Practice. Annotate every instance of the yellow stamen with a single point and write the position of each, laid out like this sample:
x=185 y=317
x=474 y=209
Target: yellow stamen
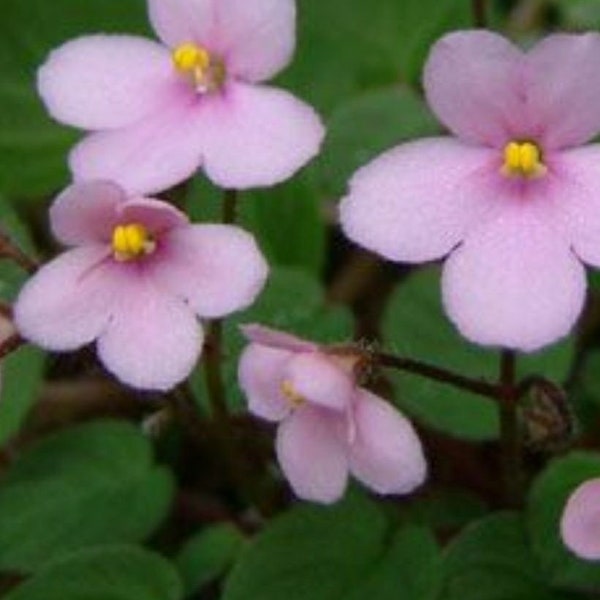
x=205 y=71
x=189 y=58
x=291 y=395
x=131 y=241
x=523 y=159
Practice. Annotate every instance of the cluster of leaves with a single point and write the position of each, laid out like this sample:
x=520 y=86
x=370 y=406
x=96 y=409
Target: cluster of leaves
x=87 y=512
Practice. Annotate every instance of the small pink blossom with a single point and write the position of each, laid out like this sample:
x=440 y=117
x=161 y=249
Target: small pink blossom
x=328 y=426
x=156 y=112
x=511 y=199
x=580 y=524
x=135 y=279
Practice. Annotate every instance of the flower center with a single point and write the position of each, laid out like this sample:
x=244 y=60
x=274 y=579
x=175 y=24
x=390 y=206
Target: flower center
x=523 y=159
x=293 y=398
x=132 y=241
x=197 y=65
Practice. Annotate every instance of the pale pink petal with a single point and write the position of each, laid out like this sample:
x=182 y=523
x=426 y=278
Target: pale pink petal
x=256 y=38
x=256 y=136
x=106 y=81
x=312 y=456
x=563 y=86
x=86 y=212
x=386 y=454
x=260 y=373
x=417 y=201
x=514 y=283
x=320 y=381
x=259 y=334
x=573 y=201
x=580 y=524
x=157 y=216
x=153 y=340
x=154 y=154
x=68 y=302
x=472 y=82
x=218 y=269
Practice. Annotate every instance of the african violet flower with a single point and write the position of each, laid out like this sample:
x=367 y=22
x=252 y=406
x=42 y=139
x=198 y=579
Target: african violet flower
x=511 y=198
x=328 y=426
x=580 y=525
x=159 y=111
x=135 y=278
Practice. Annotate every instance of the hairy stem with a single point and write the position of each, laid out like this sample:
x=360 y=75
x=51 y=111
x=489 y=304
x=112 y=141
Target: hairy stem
x=510 y=437
x=213 y=350
x=479 y=13
x=444 y=376
x=10 y=250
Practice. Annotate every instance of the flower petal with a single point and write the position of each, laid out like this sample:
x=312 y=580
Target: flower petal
x=472 y=82
x=312 y=456
x=416 y=202
x=317 y=379
x=573 y=200
x=86 y=212
x=68 y=302
x=152 y=155
x=153 y=340
x=260 y=373
x=218 y=269
x=258 y=136
x=255 y=37
x=514 y=283
x=563 y=86
x=580 y=524
x=106 y=81
x=156 y=215
x=386 y=454
x=259 y=334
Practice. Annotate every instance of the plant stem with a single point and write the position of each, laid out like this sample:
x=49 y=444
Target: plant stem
x=510 y=438
x=475 y=386
x=214 y=344
x=10 y=250
x=479 y=13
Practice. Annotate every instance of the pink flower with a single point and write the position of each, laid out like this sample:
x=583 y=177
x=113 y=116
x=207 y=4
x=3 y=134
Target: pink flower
x=135 y=278
x=511 y=199
x=580 y=525
x=159 y=111
x=328 y=425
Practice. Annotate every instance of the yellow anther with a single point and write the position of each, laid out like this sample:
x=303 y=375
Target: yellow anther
x=203 y=70
x=523 y=159
x=291 y=395
x=189 y=58
x=131 y=241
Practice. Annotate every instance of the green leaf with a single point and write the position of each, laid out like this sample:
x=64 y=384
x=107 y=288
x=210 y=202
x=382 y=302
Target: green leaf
x=344 y=48
x=92 y=484
x=208 y=555
x=286 y=220
x=579 y=14
x=32 y=146
x=292 y=301
x=342 y=552
x=104 y=573
x=416 y=326
x=547 y=499
x=22 y=378
x=355 y=132
x=491 y=560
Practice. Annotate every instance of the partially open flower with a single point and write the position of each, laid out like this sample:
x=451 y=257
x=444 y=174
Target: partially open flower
x=137 y=276
x=329 y=427
x=159 y=111
x=580 y=525
x=511 y=199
